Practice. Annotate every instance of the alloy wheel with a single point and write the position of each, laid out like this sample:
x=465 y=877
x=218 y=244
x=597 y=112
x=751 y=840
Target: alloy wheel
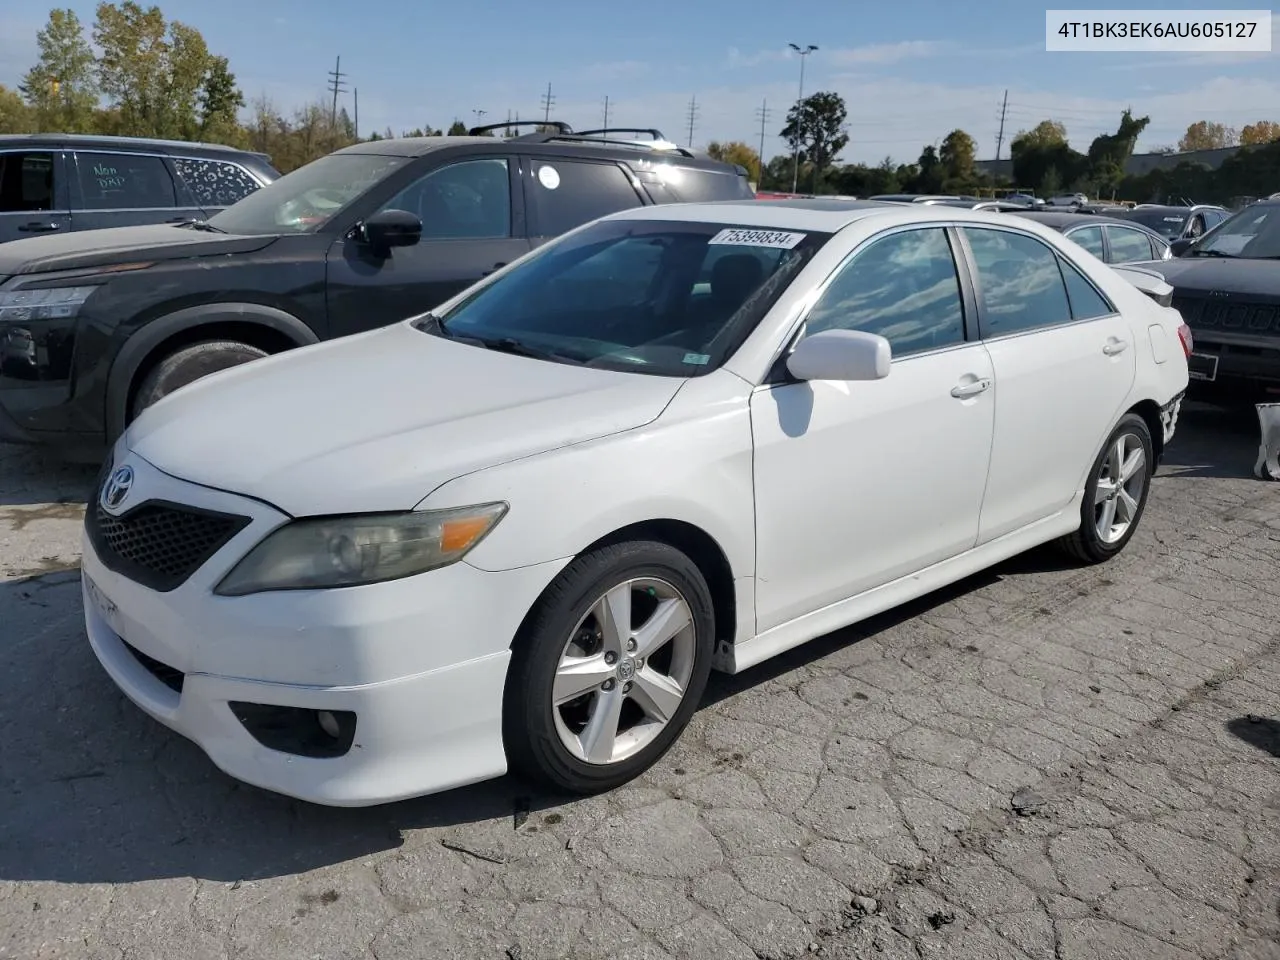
x=1121 y=482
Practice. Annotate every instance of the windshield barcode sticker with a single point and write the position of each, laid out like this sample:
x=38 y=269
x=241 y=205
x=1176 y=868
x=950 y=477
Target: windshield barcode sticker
x=778 y=239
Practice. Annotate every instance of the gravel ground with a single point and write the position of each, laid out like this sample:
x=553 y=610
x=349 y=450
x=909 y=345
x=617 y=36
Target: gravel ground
x=1042 y=762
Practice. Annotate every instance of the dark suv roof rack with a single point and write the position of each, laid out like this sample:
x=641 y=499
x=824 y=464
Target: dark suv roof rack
x=481 y=131
x=582 y=138
x=604 y=131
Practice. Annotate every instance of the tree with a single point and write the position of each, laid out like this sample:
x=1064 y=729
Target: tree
x=957 y=153
x=220 y=102
x=61 y=88
x=1045 y=134
x=929 y=177
x=1204 y=135
x=15 y=116
x=1042 y=149
x=1264 y=131
x=735 y=151
x=815 y=128
x=1051 y=182
x=1109 y=154
x=457 y=129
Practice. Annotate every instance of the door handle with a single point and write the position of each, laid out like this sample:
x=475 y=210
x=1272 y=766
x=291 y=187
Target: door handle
x=496 y=267
x=1114 y=346
x=37 y=227
x=964 y=391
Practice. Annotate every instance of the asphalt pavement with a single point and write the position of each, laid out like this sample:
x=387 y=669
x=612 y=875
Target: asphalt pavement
x=1041 y=762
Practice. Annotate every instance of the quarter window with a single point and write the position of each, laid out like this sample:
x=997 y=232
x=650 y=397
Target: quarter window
x=1086 y=302
x=1090 y=238
x=469 y=200
x=26 y=182
x=903 y=287
x=215 y=183
x=568 y=193
x=1128 y=246
x=1019 y=284
x=114 y=181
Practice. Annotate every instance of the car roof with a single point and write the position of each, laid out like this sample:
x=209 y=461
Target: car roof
x=110 y=143
x=1061 y=219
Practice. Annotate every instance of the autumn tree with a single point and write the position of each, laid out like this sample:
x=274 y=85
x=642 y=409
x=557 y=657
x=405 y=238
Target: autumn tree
x=816 y=130
x=1045 y=134
x=735 y=151
x=1204 y=135
x=61 y=88
x=1264 y=131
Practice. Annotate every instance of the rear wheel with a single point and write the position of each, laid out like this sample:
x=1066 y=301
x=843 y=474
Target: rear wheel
x=188 y=365
x=610 y=668
x=1116 y=494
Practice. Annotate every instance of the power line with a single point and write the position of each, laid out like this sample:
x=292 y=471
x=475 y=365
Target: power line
x=548 y=101
x=762 y=114
x=1004 y=107
x=337 y=85
x=693 y=116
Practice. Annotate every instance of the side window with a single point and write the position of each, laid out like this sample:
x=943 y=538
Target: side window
x=1086 y=302
x=699 y=186
x=468 y=200
x=1090 y=238
x=215 y=183
x=1159 y=249
x=1019 y=284
x=1197 y=226
x=568 y=193
x=903 y=287
x=26 y=182
x=115 y=181
x=1128 y=246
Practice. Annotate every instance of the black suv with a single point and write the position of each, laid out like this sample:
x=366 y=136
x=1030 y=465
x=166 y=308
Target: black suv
x=95 y=327
x=62 y=182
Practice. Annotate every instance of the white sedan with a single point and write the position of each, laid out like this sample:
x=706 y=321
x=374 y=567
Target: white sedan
x=519 y=531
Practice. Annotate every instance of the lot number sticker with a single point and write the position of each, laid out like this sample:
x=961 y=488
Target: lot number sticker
x=549 y=177
x=778 y=239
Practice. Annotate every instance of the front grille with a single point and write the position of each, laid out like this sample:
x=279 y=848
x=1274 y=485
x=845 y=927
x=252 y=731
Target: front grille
x=160 y=544
x=1230 y=314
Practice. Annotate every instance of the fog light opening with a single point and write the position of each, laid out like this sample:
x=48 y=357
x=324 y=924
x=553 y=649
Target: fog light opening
x=329 y=724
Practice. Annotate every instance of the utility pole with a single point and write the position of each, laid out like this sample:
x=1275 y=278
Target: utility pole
x=547 y=102
x=606 y=113
x=795 y=150
x=507 y=132
x=355 y=100
x=1000 y=136
x=762 y=113
x=693 y=116
x=336 y=85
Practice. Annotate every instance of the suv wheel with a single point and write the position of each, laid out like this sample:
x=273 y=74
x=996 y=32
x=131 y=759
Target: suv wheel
x=187 y=366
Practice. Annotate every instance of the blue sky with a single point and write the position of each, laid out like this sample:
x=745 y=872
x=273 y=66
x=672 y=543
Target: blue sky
x=910 y=70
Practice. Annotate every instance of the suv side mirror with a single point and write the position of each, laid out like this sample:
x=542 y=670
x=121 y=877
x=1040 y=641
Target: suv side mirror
x=841 y=355
x=391 y=228
x=1180 y=246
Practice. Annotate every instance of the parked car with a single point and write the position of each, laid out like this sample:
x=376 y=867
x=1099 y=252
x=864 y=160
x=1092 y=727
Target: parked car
x=521 y=529
x=1109 y=239
x=1178 y=223
x=59 y=183
x=366 y=236
x=1227 y=288
x=1068 y=200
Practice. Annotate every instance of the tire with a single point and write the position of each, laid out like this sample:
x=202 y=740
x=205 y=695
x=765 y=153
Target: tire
x=187 y=366
x=552 y=744
x=1088 y=544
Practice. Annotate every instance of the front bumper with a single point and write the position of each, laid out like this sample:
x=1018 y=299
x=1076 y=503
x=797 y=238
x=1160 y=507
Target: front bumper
x=420 y=662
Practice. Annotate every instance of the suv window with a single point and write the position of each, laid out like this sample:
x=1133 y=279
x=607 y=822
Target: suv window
x=1090 y=238
x=568 y=193
x=117 y=181
x=466 y=200
x=1019 y=284
x=215 y=183
x=1128 y=245
x=26 y=182
x=903 y=287
x=700 y=186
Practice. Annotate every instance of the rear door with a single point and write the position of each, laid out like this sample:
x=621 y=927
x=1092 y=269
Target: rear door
x=562 y=193
x=33 y=194
x=124 y=189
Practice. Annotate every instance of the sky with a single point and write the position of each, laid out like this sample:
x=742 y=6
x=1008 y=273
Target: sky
x=909 y=71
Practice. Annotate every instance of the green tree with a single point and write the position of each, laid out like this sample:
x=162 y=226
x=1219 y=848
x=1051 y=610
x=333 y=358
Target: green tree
x=735 y=151
x=457 y=129
x=61 y=88
x=1051 y=182
x=1205 y=135
x=1109 y=154
x=816 y=130
x=15 y=116
x=958 y=153
x=1044 y=135
x=931 y=172
x=220 y=102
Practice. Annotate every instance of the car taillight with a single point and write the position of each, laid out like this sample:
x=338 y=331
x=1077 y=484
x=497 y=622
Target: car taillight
x=1188 y=342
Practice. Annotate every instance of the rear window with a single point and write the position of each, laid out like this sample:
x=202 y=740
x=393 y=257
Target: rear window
x=657 y=297
x=1167 y=223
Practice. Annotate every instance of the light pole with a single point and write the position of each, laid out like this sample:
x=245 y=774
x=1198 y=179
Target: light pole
x=795 y=150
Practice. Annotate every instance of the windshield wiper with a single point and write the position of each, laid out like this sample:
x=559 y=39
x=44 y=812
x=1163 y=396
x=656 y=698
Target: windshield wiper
x=204 y=226
x=1214 y=253
x=519 y=348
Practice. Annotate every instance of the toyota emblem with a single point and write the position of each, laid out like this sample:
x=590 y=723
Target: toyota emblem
x=117 y=487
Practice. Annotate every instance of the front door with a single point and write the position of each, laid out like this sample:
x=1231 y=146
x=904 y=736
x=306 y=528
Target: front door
x=1064 y=364
x=33 y=194
x=125 y=190
x=469 y=230
x=858 y=484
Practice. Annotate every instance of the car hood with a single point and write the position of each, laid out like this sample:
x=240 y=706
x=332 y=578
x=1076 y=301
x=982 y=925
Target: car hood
x=1203 y=275
x=377 y=421
x=115 y=245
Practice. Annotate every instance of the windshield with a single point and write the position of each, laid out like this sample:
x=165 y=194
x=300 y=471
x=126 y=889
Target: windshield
x=665 y=298
x=305 y=200
x=1253 y=233
x=1167 y=223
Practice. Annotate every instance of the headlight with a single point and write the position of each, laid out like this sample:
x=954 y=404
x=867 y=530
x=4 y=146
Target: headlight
x=348 y=551
x=51 y=303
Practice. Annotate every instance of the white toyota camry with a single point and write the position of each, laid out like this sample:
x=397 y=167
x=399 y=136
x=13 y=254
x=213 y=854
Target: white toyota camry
x=521 y=530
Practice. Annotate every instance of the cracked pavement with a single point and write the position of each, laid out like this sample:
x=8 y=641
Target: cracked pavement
x=1041 y=762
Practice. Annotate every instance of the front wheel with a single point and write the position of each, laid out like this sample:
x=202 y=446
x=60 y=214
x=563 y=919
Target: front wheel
x=610 y=668
x=1116 y=494
x=188 y=365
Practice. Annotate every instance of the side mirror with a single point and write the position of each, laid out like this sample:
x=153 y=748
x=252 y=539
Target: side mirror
x=391 y=228
x=1180 y=246
x=841 y=355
